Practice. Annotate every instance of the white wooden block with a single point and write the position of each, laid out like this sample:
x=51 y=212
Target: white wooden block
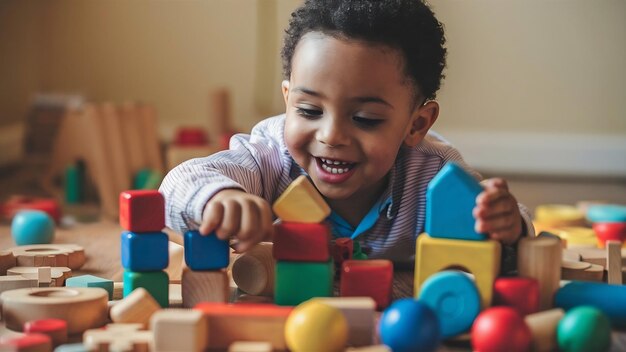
x=179 y=330
x=175 y=267
x=250 y=346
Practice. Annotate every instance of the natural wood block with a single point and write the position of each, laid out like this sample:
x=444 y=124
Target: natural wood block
x=540 y=258
x=543 y=329
x=7 y=260
x=204 y=286
x=614 y=262
x=13 y=282
x=253 y=271
x=119 y=338
x=359 y=313
x=581 y=271
x=137 y=307
x=53 y=255
x=375 y=348
x=301 y=202
x=229 y=323
x=176 y=262
x=250 y=346
x=57 y=275
x=301 y=242
x=480 y=258
x=179 y=330
x=118 y=290
x=142 y=211
x=367 y=278
x=26 y=343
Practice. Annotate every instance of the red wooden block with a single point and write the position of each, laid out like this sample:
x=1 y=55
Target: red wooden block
x=190 y=136
x=609 y=231
x=301 y=242
x=342 y=250
x=56 y=329
x=17 y=203
x=367 y=278
x=142 y=211
x=28 y=342
x=519 y=293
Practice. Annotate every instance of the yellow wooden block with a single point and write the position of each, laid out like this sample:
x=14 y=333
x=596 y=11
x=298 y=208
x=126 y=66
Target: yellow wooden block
x=301 y=202
x=558 y=215
x=480 y=258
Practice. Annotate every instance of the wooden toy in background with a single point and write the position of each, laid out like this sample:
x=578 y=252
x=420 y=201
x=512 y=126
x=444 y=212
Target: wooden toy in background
x=410 y=325
x=304 y=266
x=540 y=258
x=176 y=262
x=179 y=330
x=205 y=279
x=250 y=346
x=359 y=313
x=53 y=255
x=254 y=271
x=114 y=143
x=18 y=203
x=7 y=260
x=316 y=326
x=542 y=327
x=558 y=215
x=138 y=307
x=118 y=337
x=91 y=281
x=32 y=227
x=144 y=247
x=609 y=222
x=46 y=276
x=614 y=262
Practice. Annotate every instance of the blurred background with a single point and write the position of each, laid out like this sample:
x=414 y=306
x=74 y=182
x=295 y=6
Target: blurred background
x=535 y=89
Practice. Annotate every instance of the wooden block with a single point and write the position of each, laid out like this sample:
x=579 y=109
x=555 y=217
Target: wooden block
x=571 y=255
x=53 y=255
x=118 y=339
x=176 y=295
x=480 y=258
x=179 y=330
x=13 y=282
x=7 y=261
x=26 y=343
x=176 y=262
x=610 y=299
x=56 y=329
x=581 y=271
x=540 y=259
x=519 y=293
x=342 y=249
x=558 y=215
x=58 y=275
x=91 y=281
x=155 y=282
x=18 y=203
x=297 y=282
x=614 y=262
x=229 y=323
x=145 y=251
x=118 y=291
x=577 y=237
x=450 y=199
x=359 y=313
x=250 y=346
x=455 y=299
x=375 y=348
x=205 y=252
x=132 y=134
x=175 y=155
x=301 y=242
x=301 y=202
x=542 y=327
x=151 y=144
x=112 y=127
x=254 y=270
x=204 y=286
x=367 y=278
x=81 y=307
x=142 y=211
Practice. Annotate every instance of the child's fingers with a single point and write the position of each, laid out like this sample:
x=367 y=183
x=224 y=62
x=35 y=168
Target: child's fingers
x=211 y=217
x=495 y=183
x=231 y=220
x=250 y=221
x=495 y=224
x=499 y=207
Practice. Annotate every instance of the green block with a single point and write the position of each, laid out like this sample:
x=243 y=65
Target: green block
x=91 y=281
x=155 y=282
x=140 y=178
x=297 y=282
x=73 y=184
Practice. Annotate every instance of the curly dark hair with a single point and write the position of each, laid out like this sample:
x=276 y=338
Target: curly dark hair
x=406 y=25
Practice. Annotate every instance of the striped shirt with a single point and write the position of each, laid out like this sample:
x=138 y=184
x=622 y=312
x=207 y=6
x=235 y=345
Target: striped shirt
x=260 y=164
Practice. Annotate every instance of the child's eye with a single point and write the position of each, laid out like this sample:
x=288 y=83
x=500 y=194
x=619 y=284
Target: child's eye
x=308 y=113
x=366 y=122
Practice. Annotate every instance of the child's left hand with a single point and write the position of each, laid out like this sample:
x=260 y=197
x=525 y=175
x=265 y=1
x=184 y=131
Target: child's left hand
x=497 y=212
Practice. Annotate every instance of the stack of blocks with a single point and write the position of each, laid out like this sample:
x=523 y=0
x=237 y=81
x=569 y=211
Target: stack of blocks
x=205 y=279
x=144 y=245
x=304 y=267
x=450 y=241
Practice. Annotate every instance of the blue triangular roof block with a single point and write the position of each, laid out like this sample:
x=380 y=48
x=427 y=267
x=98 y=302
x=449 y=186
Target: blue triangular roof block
x=450 y=199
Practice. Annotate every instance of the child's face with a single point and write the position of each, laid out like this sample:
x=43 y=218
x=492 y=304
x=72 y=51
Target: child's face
x=349 y=108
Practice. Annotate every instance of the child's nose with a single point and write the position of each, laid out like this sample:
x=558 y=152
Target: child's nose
x=332 y=134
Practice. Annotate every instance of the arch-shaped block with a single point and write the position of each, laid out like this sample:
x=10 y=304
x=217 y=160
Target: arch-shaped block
x=481 y=258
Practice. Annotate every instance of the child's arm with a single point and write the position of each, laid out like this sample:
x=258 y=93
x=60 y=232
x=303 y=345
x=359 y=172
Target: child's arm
x=498 y=214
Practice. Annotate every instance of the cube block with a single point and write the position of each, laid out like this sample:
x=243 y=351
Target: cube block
x=302 y=242
x=301 y=202
x=155 y=282
x=146 y=251
x=142 y=211
x=204 y=286
x=297 y=282
x=205 y=252
x=367 y=278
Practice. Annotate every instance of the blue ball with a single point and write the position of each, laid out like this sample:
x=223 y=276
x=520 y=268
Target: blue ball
x=409 y=325
x=32 y=227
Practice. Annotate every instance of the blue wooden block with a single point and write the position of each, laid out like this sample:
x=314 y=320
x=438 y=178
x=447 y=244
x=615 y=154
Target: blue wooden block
x=454 y=298
x=607 y=213
x=610 y=299
x=155 y=282
x=146 y=251
x=205 y=252
x=450 y=199
x=91 y=281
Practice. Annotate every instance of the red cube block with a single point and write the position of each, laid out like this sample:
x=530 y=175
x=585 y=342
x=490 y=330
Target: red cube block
x=367 y=278
x=519 y=293
x=142 y=211
x=342 y=250
x=301 y=242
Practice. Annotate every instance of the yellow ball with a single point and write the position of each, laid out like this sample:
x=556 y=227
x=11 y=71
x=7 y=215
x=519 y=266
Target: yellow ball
x=315 y=326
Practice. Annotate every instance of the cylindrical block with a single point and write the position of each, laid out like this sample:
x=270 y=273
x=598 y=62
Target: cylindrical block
x=610 y=299
x=540 y=259
x=56 y=329
x=543 y=328
x=253 y=271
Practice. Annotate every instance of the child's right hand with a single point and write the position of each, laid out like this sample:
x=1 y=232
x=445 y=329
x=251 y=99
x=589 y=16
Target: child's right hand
x=235 y=213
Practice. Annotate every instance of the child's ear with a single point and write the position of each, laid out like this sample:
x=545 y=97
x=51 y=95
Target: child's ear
x=285 y=88
x=421 y=121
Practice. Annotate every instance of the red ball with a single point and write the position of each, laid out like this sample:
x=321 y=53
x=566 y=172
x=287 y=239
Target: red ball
x=500 y=329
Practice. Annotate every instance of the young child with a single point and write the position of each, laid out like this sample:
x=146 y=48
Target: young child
x=360 y=82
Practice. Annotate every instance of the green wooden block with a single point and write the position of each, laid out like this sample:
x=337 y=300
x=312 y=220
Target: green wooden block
x=140 y=178
x=73 y=184
x=297 y=282
x=91 y=281
x=155 y=282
